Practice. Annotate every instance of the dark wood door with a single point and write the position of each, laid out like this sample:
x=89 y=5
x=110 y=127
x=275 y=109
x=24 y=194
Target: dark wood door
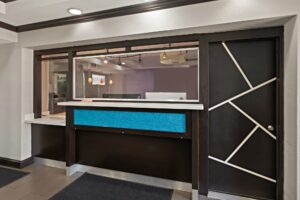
x=243 y=117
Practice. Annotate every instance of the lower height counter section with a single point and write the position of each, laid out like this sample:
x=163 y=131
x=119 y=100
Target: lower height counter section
x=48 y=141
x=146 y=142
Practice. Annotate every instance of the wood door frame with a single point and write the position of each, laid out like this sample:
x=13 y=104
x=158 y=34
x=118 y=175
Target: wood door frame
x=278 y=35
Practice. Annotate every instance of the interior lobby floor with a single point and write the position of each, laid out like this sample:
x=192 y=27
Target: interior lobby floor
x=43 y=182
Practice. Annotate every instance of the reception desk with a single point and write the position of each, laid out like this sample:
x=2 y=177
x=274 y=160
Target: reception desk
x=151 y=139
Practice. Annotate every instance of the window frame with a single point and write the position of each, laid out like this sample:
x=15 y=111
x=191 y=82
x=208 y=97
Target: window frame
x=137 y=100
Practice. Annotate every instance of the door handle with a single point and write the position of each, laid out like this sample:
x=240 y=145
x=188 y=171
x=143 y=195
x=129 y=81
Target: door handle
x=271 y=128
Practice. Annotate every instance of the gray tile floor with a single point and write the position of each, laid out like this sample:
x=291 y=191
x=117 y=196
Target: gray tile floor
x=43 y=182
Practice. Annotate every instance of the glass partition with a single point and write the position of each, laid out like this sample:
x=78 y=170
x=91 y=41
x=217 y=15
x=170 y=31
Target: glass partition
x=165 y=75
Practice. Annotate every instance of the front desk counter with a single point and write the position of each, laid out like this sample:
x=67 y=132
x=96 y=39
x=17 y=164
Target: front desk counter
x=152 y=139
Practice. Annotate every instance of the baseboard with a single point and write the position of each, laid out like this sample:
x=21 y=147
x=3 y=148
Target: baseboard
x=16 y=163
x=224 y=196
x=136 y=178
x=50 y=163
x=131 y=177
x=26 y=162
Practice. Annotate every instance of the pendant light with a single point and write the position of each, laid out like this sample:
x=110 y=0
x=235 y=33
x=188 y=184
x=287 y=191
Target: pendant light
x=105 y=60
x=90 y=78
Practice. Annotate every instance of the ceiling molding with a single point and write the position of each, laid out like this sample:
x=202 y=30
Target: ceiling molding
x=8 y=26
x=7 y=1
x=116 y=12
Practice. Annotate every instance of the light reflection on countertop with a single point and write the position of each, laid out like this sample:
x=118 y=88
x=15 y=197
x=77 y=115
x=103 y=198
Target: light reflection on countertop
x=172 y=106
x=47 y=121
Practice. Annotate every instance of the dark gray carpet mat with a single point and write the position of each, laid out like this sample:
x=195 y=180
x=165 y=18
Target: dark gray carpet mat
x=8 y=176
x=92 y=187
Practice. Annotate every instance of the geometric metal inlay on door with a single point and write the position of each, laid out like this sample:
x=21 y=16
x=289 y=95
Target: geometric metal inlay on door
x=247 y=144
x=221 y=134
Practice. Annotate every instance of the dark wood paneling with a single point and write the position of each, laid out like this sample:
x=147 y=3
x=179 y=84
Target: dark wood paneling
x=260 y=148
x=49 y=142
x=186 y=136
x=224 y=77
x=71 y=55
x=280 y=115
x=142 y=152
x=273 y=32
x=26 y=162
x=121 y=44
x=195 y=150
x=71 y=139
x=266 y=38
x=252 y=56
x=37 y=86
x=226 y=179
x=116 y=12
x=158 y=157
x=263 y=100
x=203 y=117
x=228 y=128
x=217 y=37
x=211 y=37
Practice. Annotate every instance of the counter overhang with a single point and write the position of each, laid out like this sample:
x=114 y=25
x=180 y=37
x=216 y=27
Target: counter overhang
x=172 y=106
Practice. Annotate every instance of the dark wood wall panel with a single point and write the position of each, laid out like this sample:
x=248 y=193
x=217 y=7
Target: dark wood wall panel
x=158 y=157
x=49 y=142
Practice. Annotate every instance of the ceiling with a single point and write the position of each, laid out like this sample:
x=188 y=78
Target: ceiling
x=22 y=12
x=137 y=62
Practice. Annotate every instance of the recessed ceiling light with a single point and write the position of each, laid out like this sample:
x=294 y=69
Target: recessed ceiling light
x=74 y=11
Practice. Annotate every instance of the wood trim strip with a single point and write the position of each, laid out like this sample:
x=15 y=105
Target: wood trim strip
x=70 y=139
x=203 y=118
x=37 y=86
x=280 y=115
x=8 y=26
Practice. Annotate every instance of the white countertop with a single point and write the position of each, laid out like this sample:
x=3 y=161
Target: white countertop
x=173 y=106
x=47 y=121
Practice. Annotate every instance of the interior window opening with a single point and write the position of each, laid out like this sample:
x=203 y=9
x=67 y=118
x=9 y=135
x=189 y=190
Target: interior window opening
x=54 y=87
x=164 y=75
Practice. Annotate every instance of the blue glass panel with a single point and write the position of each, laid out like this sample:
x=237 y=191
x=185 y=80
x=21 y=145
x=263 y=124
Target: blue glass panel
x=151 y=121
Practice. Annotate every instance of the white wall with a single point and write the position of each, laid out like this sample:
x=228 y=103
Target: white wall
x=7 y=36
x=26 y=102
x=214 y=16
x=199 y=15
x=2 y=8
x=290 y=112
x=10 y=101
